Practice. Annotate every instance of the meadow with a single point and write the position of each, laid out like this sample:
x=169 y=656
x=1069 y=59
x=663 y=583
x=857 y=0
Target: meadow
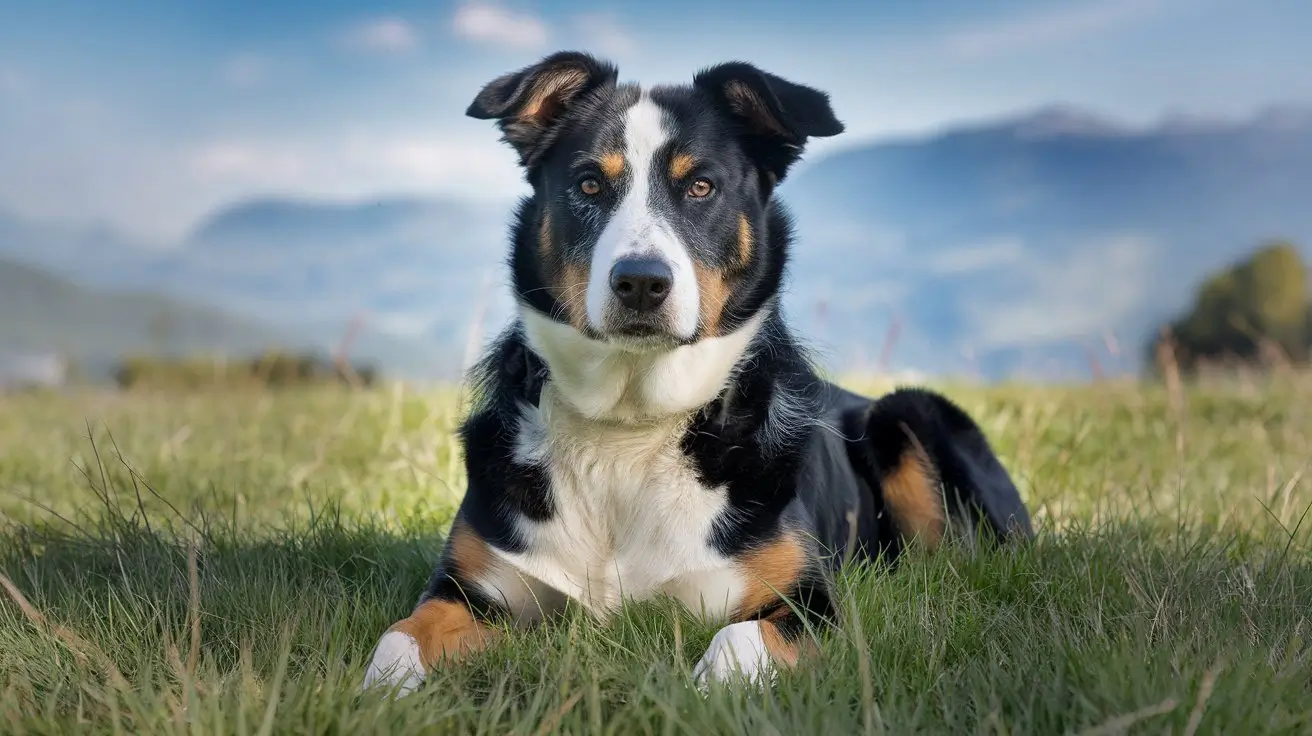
x=224 y=563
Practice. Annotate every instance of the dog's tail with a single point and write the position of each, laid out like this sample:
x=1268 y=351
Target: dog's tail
x=933 y=469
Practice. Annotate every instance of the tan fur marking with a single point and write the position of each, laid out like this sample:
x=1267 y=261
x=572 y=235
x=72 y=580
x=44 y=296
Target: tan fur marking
x=568 y=283
x=912 y=494
x=444 y=630
x=680 y=165
x=744 y=240
x=469 y=554
x=747 y=103
x=771 y=572
x=550 y=93
x=713 y=285
x=544 y=236
x=612 y=165
x=782 y=651
x=571 y=291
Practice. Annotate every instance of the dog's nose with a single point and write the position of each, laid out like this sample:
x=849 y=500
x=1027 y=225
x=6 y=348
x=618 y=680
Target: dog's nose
x=641 y=284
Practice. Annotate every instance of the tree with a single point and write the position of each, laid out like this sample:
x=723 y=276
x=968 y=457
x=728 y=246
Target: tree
x=1246 y=310
x=1273 y=294
x=1215 y=324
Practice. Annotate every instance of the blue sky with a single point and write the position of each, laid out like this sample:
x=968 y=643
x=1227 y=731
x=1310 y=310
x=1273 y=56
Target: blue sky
x=148 y=115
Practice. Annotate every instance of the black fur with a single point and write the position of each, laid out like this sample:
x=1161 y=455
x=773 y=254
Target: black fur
x=774 y=129
x=733 y=441
x=501 y=489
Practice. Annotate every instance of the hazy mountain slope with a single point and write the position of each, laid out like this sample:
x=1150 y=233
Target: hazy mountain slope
x=264 y=302
x=1024 y=239
x=43 y=312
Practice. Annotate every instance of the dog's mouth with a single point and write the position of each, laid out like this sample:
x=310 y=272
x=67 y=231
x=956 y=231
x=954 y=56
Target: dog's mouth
x=641 y=333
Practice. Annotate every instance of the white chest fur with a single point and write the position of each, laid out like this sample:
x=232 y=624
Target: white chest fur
x=631 y=519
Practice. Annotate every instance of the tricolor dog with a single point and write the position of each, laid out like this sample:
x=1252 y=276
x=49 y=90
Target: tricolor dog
x=649 y=425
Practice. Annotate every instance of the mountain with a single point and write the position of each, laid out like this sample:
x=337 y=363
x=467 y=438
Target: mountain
x=44 y=313
x=413 y=267
x=1003 y=246
x=1029 y=240
x=272 y=280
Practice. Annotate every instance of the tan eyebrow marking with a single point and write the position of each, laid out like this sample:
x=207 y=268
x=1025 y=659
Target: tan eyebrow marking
x=680 y=165
x=612 y=165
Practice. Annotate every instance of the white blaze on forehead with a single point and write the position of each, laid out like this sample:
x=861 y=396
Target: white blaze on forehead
x=635 y=229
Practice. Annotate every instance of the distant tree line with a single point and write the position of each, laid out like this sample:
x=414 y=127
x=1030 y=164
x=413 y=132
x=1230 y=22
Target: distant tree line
x=270 y=369
x=1253 y=314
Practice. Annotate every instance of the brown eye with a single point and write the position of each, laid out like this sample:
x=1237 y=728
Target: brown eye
x=590 y=186
x=700 y=188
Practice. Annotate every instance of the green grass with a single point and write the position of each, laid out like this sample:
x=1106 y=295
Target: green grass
x=1170 y=589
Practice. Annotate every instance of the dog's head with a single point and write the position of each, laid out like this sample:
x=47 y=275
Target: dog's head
x=647 y=228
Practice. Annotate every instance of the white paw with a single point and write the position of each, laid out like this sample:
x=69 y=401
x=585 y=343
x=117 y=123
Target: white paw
x=738 y=650
x=396 y=662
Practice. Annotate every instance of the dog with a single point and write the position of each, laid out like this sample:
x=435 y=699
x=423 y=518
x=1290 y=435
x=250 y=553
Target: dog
x=648 y=425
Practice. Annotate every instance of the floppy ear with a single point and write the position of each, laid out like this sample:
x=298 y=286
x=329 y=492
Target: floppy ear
x=528 y=103
x=775 y=116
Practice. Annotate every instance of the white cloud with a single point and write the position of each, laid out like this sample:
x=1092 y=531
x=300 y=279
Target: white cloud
x=1048 y=27
x=603 y=33
x=386 y=35
x=493 y=24
x=360 y=165
x=236 y=160
x=1101 y=283
x=979 y=257
x=245 y=71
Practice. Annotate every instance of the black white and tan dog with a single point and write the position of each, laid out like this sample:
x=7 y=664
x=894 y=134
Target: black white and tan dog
x=648 y=425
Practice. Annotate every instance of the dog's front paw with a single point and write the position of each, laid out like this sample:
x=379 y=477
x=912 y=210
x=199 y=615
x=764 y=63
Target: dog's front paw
x=396 y=663
x=736 y=651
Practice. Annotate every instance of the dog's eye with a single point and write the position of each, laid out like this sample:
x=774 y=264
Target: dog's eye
x=590 y=186
x=700 y=188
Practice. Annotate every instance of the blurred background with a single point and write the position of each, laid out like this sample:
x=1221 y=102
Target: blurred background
x=1027 y=189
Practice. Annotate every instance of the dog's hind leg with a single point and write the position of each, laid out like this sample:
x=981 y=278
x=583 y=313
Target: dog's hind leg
x=933 y=465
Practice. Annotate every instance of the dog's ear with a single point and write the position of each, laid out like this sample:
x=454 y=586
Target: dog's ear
x=775 y=117
x=528 y=103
